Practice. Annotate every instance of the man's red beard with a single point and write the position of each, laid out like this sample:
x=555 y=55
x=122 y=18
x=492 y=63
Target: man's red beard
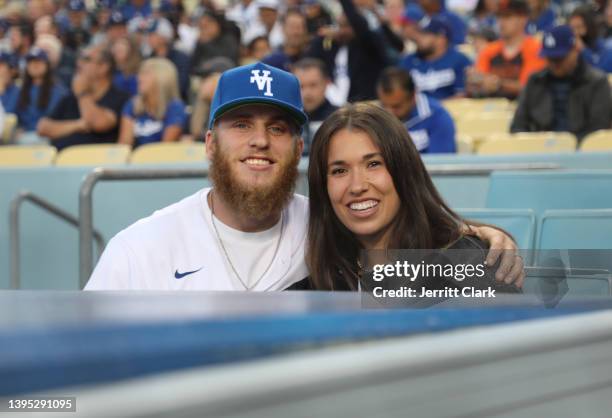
x=255 y=202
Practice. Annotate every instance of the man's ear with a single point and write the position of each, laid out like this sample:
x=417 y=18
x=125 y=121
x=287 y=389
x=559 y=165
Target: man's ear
x=300 y=145
x=211 y=143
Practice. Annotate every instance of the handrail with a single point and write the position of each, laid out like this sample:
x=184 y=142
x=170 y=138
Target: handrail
x=482 y=169
x=15 y=206
x=86 y=202
x=88 y=184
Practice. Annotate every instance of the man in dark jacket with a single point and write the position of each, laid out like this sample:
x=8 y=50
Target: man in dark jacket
x=568 y=96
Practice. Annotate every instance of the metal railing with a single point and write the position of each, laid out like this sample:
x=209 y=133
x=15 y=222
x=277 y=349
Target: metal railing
x=86 y=203
x=86 y=261
x=15 y=256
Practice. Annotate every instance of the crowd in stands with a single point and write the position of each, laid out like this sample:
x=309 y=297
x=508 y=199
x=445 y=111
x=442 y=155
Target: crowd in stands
x=142 y=71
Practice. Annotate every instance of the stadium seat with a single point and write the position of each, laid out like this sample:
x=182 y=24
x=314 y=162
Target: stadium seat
x=481 y=125
x=543 y=190
x=525 y=143
x=468 y=50
x=10 y=123
x=597 y=141
x=459 y=108
x=576 y=229
x=520 y=223
x=174 y=152
x=26 y=155
x=580 y=239
x=95 y=154
x=465 y=144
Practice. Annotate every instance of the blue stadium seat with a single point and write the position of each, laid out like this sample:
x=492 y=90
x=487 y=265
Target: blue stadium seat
x=543 y=190
x=579 y=239
x=520 y=223
x=576 y=229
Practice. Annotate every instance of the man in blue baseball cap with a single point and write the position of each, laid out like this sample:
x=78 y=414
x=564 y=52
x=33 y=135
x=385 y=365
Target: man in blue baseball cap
x=247 y=232
x=568 y=95
x=437 y=68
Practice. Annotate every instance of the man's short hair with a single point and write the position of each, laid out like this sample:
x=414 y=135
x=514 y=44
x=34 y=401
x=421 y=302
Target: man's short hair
x=310 y=63
x=393 y=78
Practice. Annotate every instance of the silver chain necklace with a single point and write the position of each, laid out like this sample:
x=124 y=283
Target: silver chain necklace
x=227 y=257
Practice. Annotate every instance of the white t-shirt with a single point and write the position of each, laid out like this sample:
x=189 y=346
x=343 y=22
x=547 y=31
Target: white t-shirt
x=177 y=248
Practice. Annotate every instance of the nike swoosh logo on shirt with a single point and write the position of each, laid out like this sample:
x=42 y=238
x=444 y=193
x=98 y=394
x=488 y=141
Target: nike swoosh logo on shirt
x=178 y=275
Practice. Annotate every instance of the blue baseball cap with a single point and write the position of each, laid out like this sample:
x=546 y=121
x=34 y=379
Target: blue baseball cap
x=8 y=58
x=413 y=13
x=76 y=5
x=436 y=25
x=116 y=19
x=36 y=53
x=558 y=42
x=258 y=83
x=106 y=4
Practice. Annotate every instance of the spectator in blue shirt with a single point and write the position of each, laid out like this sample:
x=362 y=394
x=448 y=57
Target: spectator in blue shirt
x=39 y=92
x=455 y=22
x=583 y=22
x=127 y=60
x=430 y=126
x=9 y=92
x=156 y=113
x=136 y=8
x=541 y=17
x=160 y=39
x=437 y=68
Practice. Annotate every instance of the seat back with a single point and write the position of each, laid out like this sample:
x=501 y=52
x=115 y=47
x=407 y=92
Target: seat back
x=543 y=190
x=26 y=155
x=93 y=154
x=520 y=223
x=528 y=143
x=597 y=141
x=169 y=152
x=8 y=130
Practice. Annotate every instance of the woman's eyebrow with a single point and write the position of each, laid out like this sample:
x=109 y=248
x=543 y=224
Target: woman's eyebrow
x=371 y=155
x=365 y=157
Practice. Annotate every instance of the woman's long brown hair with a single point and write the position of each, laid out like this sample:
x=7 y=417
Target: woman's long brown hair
x=424 y=221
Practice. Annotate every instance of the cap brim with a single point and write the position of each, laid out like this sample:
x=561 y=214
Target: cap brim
x=296 y=114
x=554 y=53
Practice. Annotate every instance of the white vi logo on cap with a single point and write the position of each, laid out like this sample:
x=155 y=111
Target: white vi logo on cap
x=549 y=41
x=263 y=81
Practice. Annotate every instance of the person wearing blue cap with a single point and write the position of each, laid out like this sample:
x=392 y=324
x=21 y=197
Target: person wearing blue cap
x=160 y=38
x=136 y=8
x=247 y=232
x=78 y=30
x=568 y=95
x=458 y=28
x=437 y=67
x=39 y=92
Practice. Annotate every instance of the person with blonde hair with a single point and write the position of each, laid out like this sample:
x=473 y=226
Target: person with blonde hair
x=156 y=113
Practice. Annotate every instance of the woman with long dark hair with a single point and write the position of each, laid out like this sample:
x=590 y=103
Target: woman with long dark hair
x=39 y=92
x=369 y=190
